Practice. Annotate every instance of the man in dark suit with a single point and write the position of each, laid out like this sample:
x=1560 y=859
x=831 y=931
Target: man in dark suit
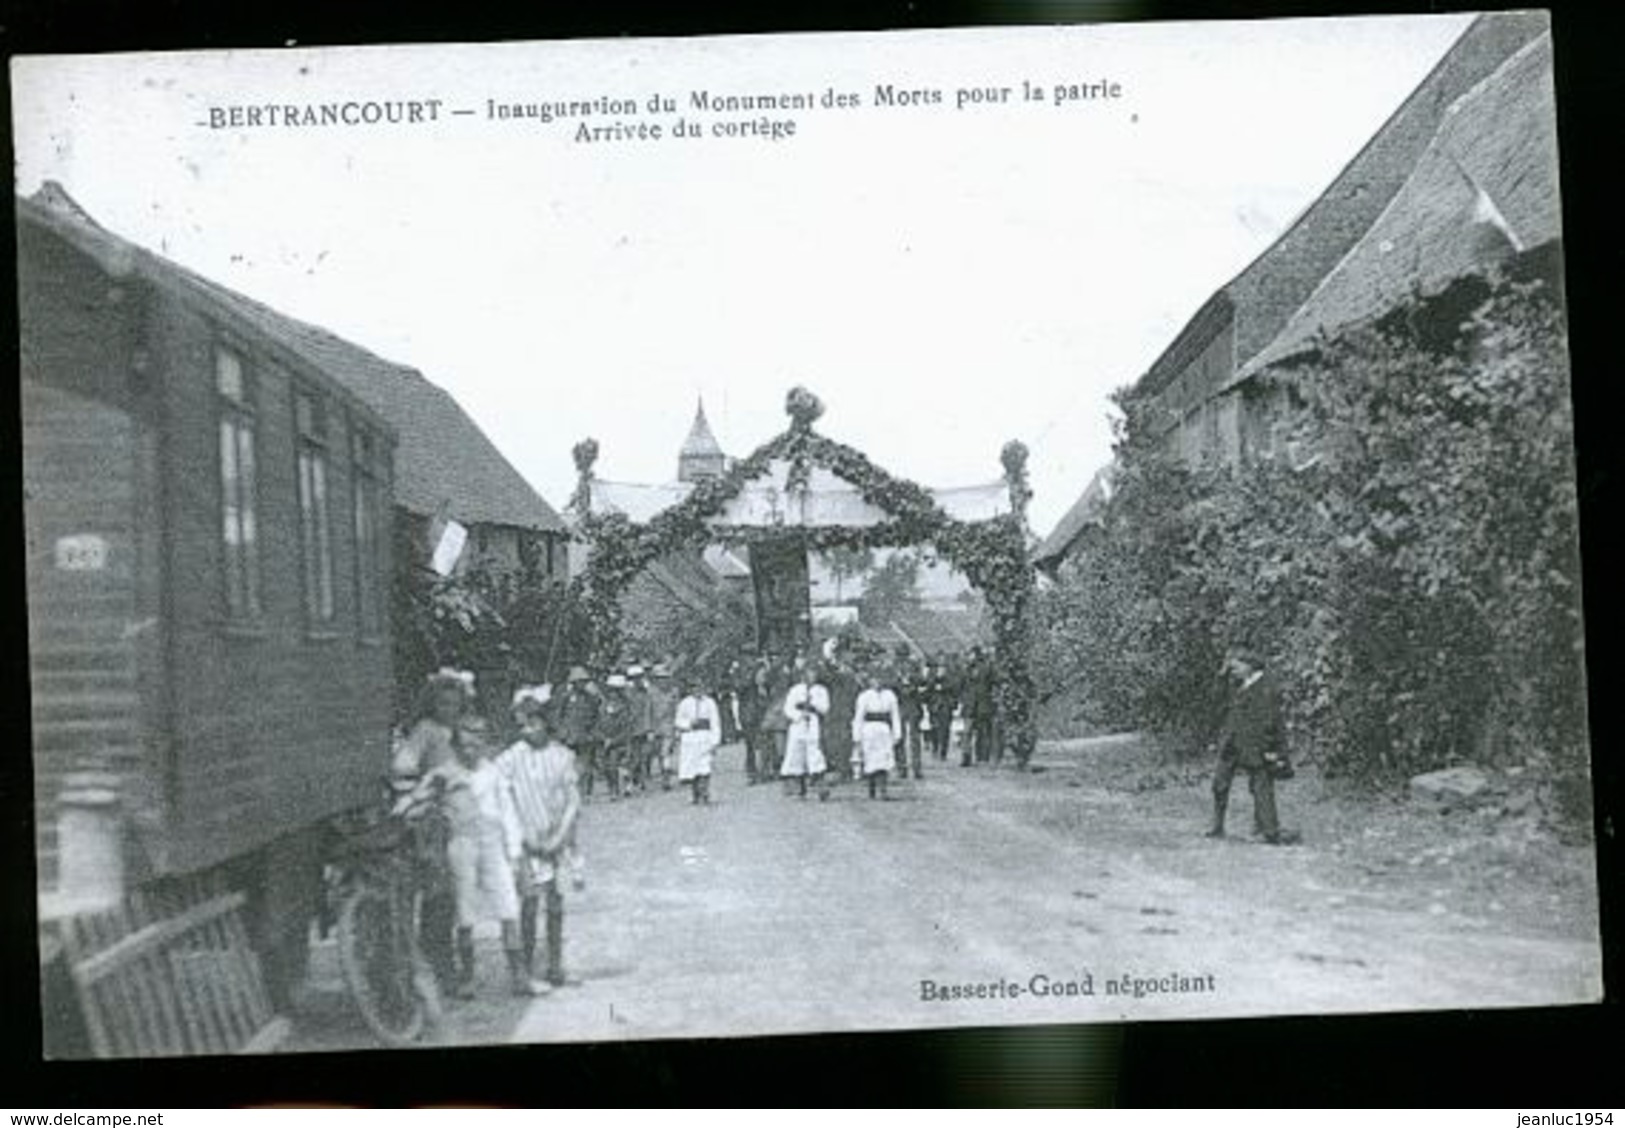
x=907 y=682
x=940 y=700
x=979 y=707
x=1253 y=740
x=579 y=710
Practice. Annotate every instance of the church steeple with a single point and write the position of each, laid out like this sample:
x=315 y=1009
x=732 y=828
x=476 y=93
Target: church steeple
x=701 y=456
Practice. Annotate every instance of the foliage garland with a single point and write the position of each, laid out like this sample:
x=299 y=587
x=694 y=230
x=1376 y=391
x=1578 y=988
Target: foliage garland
x=992 y=554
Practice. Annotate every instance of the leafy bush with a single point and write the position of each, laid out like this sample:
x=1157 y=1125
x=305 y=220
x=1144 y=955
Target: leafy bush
x=1415 y=579
x=508 y=629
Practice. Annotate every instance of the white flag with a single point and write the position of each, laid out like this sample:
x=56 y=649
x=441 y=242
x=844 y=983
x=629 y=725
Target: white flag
x=448 y=548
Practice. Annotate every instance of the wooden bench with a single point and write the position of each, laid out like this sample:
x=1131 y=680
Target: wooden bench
x=185 y=981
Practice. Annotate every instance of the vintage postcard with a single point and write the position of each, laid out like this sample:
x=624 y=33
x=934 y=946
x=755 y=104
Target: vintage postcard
x=582 y=541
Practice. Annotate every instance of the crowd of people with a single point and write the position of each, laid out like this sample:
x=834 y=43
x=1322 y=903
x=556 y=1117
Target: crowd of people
x=509 y=818
x=511 y=805
x=510 y=794
x=786 y=710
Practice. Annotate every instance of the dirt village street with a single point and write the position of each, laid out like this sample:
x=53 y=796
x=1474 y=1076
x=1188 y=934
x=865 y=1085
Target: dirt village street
x=764 y=913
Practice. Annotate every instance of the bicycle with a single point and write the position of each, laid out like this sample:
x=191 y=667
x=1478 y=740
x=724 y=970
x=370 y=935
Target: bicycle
x=384 y=866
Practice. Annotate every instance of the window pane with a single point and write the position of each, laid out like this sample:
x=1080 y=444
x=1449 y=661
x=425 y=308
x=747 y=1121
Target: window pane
x=228 y=375
x=231 y=517
x=363 y=550
x=376 y=577
x=324 y=547
x=228 y=463
x=315 y=534
x=247 y=493
x=307 y=533
x=359 y=496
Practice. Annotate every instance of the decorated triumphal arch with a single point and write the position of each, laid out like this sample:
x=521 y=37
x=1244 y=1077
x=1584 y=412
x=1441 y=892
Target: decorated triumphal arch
x=806 y=492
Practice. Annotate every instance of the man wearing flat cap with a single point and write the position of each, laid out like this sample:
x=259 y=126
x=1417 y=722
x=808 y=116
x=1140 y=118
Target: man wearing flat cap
x=1253 y=740
x=578 y=718
x=616 y=731
x=640 y=705
x=663 y=698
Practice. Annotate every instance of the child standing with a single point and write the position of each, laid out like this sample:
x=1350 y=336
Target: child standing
x=476 y=851
x=542 y=795
x=432 y=743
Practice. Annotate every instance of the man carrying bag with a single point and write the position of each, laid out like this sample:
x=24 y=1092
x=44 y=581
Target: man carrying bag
x=1253 y=740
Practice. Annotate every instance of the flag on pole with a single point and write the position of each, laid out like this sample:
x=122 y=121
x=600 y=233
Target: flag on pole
x=446 y=540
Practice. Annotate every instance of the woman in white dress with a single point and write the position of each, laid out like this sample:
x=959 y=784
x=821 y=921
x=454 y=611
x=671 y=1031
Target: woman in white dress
x=699 y=731
x=877 y=726
x=805 y=707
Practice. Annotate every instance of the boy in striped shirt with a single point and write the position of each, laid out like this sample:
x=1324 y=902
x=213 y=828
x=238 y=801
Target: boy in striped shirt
x=543 y=798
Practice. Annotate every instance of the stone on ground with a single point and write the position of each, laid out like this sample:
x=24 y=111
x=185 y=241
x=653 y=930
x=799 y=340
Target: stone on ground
x=1450 y=787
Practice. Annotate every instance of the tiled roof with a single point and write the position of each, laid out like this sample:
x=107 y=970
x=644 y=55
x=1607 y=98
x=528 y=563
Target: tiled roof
x=1485 y=188
x=930 y=630
x=441 y=455
x=682 y=579
x=1086 y=511
x=1276 y=284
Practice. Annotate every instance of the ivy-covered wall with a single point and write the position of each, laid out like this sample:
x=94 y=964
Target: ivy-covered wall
x=1412 y=570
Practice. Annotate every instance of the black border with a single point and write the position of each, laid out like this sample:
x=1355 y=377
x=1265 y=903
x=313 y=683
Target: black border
x=1532 y=1059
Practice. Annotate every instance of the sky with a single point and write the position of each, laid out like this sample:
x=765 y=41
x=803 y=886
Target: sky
x=944 y=277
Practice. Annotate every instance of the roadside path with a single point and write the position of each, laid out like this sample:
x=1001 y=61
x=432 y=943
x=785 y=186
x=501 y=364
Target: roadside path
x=764 y=913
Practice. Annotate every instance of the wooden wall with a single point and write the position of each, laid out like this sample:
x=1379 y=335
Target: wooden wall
x=279 y=721
x=86 y=459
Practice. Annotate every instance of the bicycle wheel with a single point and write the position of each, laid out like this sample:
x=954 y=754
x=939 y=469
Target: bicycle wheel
x=379 y=975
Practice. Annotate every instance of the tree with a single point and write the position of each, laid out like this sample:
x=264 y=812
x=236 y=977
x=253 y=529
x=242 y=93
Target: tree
x=704 y=639
x=1415 y=582
x=506 y=628
x=847 y=563
x=893 y=586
